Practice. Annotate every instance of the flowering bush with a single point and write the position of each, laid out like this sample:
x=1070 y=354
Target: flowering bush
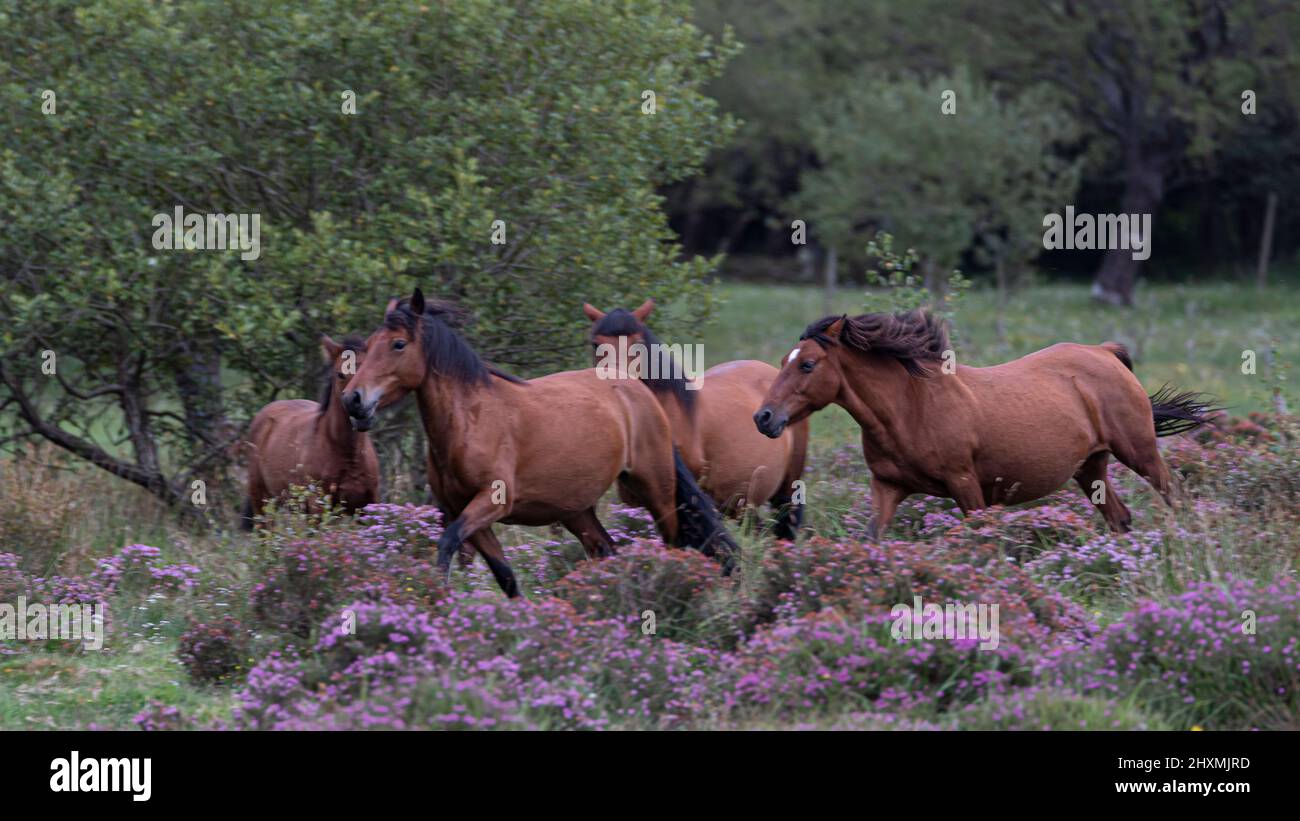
x=828 y=661
x=800 y=579
x=214 y=652
x=672 y=584
x=1219 y=655
x=485 y=663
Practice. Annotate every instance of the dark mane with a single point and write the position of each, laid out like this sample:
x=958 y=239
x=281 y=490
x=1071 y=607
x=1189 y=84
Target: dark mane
x=351 y=342
x=445 y=351
x=911 y=337
x=620 y=322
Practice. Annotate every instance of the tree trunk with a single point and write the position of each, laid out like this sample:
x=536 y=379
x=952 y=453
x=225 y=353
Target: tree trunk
x=198 y=381
x=1144 y=188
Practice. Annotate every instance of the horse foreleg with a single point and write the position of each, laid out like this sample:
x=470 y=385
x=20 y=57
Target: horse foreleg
x=489 y=506
x=591 y=533
x=885 y=498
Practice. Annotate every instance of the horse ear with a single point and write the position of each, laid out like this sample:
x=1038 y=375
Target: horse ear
x=834 y=329
x=392 y=306
x=329 y=348
x=644 y=311
x=417 y=302
x=593 y=313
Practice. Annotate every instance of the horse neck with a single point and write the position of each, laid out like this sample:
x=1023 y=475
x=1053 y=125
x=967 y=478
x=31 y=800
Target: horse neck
x=441 y=403
x=877 y=394
x=335 y=429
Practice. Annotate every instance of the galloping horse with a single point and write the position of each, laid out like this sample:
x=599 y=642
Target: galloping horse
x=297 y=442
x=1008 y=433
x=501 y=449
x=710 y=419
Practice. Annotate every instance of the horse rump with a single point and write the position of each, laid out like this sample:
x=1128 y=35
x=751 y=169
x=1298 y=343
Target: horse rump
x=1174 y=411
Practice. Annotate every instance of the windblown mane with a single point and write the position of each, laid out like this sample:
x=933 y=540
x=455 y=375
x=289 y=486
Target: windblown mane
x=911 y=337
x=351 y=342
x=445 y=352
x=620 y=322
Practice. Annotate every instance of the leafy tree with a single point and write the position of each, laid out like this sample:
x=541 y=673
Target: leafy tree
x=466 y=113
x=1157 y=83
x=942 y=164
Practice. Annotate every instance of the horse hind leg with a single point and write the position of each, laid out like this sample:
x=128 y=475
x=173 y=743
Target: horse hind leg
x=1143 y=458
x=591 y=533
x=1091 y=477
x=489 y=547
x=648 y=489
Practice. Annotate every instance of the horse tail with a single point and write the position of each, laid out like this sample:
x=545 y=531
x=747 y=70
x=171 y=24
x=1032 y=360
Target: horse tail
x=699 y=523
x=1179 y=412
x=246 y=515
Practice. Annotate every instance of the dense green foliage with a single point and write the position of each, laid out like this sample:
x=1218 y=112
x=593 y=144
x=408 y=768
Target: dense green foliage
x=842 y=98
x=466 y=113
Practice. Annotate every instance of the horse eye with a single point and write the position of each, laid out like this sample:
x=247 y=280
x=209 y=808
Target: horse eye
x=399 y=344
x=807 y=365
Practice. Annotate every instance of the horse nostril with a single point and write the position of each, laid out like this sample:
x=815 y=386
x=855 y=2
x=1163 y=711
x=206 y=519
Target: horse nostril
x=763 y=416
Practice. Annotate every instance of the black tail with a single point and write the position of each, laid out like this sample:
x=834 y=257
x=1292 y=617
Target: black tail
x=246 y=516
x=699 y=524
x=1180 y=412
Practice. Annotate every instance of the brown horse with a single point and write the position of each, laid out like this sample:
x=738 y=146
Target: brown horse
x=734 y=464
x=300 y=442
x=998 y=435
x=501 y=449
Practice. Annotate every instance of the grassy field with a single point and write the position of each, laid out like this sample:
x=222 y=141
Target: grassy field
x=790 y=619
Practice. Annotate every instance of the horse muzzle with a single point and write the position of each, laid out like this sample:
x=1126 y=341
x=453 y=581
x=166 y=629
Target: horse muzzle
x=360 y=412
x=771 y=423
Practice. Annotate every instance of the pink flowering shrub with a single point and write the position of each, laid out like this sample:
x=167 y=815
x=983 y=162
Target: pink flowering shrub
x=804 y=578
x=485 y=663
x=674 y=585
x=830 y=661
x=1219 y=655
x=216 y=652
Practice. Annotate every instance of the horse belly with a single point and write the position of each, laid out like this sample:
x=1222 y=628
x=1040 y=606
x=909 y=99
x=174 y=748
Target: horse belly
x=1029 y=473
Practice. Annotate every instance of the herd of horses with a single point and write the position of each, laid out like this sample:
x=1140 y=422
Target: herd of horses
x=691 y=451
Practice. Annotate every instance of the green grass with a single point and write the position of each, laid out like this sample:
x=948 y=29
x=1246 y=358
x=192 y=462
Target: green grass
x=58 y=690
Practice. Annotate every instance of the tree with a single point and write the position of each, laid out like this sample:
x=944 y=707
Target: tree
x=942 y=164
x=1156 y=82
x=381 y=144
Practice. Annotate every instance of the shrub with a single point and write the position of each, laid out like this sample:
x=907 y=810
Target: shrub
x=215 y=653
x=1190 y=658
x=672 y=584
